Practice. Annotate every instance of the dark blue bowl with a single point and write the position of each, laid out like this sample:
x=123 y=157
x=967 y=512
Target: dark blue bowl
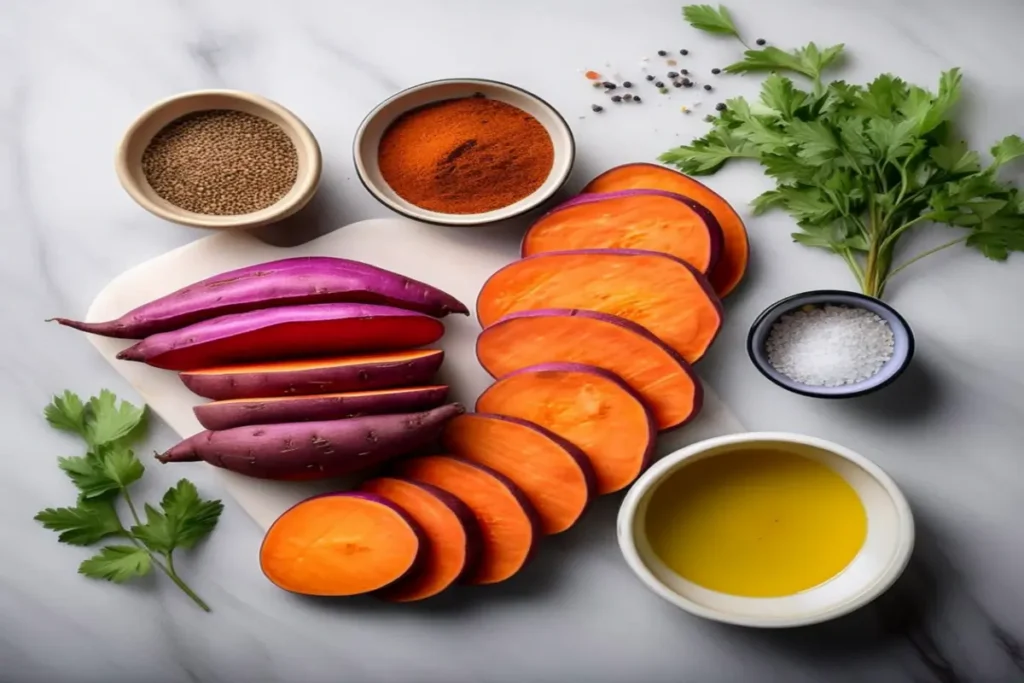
x=903 y=342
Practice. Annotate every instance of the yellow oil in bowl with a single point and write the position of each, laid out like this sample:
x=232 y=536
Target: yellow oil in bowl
x=756 y=523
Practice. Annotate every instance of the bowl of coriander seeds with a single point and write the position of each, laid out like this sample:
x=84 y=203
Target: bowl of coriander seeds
x=219 y=159
x=831 y=344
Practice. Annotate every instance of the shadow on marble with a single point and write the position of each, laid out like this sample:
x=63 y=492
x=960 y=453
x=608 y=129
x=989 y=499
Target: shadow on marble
x=322 y=215
x=913 y=397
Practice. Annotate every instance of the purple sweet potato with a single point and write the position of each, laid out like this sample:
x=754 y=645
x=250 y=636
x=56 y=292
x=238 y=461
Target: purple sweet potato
x=631 y=219
x=288 y=282
x=286 y=332
x=342 y=544
x=318 y=376
x=298 y=451
x=241 y=412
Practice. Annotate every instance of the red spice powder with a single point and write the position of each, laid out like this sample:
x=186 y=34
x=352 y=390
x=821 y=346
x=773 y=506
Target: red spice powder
x=467 y=155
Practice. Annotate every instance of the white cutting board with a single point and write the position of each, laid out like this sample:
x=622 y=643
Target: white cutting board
x=457 y=260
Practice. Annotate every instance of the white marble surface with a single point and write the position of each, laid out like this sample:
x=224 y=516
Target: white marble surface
x=74 y=75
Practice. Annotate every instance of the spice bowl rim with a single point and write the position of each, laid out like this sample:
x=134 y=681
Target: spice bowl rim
x=773 y=312
x=309 y=159
x=825 y=602
x=469 y=220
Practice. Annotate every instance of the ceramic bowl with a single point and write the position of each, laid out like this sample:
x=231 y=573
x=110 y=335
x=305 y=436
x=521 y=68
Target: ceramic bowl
x=367 y=140
x=903 y=342
x=880 y=561
x=129 y=157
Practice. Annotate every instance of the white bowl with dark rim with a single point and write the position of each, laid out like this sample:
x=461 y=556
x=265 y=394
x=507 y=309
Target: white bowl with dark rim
x=882 y=558
x=371 y=130
x=902 y=353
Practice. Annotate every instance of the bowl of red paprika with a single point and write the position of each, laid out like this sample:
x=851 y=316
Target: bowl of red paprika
x=463 y=152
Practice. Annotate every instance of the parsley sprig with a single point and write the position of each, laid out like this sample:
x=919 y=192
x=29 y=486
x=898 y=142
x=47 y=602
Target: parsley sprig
x=102 y=476
x=858 y=166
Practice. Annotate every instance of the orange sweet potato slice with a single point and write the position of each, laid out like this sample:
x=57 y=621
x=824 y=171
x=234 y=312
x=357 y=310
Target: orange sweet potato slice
x=664 y=295
x=736 y=250
x=664 y=380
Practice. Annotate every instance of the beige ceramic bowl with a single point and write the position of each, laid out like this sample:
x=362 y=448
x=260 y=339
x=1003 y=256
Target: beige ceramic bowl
x=154 y=119
x=880 y=561
x=367 y=140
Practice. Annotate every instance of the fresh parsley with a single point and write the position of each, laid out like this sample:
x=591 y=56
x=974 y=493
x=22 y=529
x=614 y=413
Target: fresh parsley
x=858 y=166
x=102 y=477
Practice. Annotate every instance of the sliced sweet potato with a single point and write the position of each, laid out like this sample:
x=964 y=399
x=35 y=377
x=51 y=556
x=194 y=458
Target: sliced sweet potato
x=591 y=408
x=240 y=412
x=656 y=372
x=736 y=250
x=508 y=522
x=555 y=475
x=284 y=333
x=664 y=295
x=341 y=544
x=631 y=219
x=319 y=376
x=452 y=534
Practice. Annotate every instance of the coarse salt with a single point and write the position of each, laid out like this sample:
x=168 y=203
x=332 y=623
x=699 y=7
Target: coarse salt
x=829 y=346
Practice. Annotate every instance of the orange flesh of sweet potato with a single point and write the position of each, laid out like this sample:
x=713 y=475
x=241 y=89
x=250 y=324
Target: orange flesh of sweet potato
x=508 y=522
x=660 y=376
x=661 y=293
x=736 y=250
x=340 y=544
x=654 y=221
x=555 y=476
x=588 y=407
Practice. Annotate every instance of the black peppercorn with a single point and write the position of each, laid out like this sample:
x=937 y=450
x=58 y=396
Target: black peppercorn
x=716 y=71
x=687 y=83
x=677 y=84
x=684 y=52
x=659 y=84
x=626 y=97
x=637 y=99
x=609 y=85
x=662 y=53
x=627 y=84
x=616 y=98
x=761 y=41
x=672 y=74
x=597 y=107
x=720 y=106
x=650 y=77
x=685 y=72
x=707 y=87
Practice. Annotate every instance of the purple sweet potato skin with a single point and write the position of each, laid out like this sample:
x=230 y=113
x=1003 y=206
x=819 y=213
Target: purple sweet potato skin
x=322 y=380
x=288 y=282
x=238 y=325
x=219 y=416
x=714 y=229
x=301 y=451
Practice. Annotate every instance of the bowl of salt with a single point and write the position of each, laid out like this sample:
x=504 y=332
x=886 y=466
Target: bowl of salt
x=830 y=344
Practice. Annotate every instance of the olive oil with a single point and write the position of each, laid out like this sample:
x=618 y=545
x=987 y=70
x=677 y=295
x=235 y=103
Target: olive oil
x=756 y=523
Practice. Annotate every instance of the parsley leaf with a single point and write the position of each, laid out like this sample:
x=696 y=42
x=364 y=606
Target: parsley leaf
x=67 y=413
x=809 y=60
x=706 y=18
x=117 y=563
x=1008 y=149
x=86 y=473
x=86 y=523
x=108 y=421
x=183 y=520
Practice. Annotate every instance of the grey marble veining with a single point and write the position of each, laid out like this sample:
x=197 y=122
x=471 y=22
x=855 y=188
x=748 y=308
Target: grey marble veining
x=75 y=74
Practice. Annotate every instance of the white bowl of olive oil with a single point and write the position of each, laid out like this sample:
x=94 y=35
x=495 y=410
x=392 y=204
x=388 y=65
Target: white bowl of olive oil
x=766 y=529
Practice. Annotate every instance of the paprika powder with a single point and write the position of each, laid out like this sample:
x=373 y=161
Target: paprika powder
x=467 y=155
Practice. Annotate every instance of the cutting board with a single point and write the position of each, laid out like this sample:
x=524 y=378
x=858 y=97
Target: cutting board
x=455 y=260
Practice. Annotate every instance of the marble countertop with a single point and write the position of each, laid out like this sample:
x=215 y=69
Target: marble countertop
x=950 y=432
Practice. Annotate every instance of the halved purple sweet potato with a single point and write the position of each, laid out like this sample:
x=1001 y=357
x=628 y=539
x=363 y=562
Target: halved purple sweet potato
x=301 y=451
x=240 y=412
x=317 y=376
x=453 y=536
x=665 y=381
x=555 y=475
x=509 y=524
x=631 y=219
x=342 y=544
x=286 y=332
x=663 y=294
x=288 y=282
x=732 y=265
x=593 y=409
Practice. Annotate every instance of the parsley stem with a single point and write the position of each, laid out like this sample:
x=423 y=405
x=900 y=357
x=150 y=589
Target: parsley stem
x=173 y=576
x=920 y=256
x=894 y=235
x=131 y=506
x=851 y=261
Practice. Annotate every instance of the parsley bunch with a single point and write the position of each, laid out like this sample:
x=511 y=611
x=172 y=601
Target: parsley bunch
x=102 y=476
x=857 y=166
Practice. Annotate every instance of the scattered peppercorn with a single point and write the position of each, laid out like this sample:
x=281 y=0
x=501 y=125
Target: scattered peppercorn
x=684 y=52
x=650 y=77
x=662 y=53
x=663 y=91
x=637 y=99
x=761 y=41
x=659 y=84
x=685 y=72
x=687 y=83
x=677 y=84
x=720 y=106
x=597 y=85
x=616 y=98
x=716 y=71
x=597 y=107
x=221 y=163
x=627 y=84
x=628 y=97
x=672 y=74
x=708 y=87
x=609 y=85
